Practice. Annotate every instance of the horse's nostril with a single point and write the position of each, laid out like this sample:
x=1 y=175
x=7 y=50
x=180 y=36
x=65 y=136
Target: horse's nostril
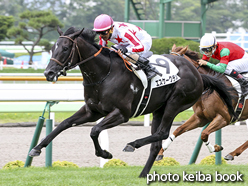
x=49 y=73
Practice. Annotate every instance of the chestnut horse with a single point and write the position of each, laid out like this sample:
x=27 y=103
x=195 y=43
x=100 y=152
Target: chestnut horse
x=113 y=92
x=207 y=109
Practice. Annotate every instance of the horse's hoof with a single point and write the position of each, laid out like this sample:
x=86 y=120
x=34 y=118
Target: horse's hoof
x=107 y=155
x=218 y=148
x=104 y=154
x=159 y=157
x=229 y=157
x=129 y=148
x=34 y=153
x=142 y=176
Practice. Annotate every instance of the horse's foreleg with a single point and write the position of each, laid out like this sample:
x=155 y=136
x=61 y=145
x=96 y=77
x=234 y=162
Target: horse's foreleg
x=80 y=117
x=111 y=120
x=237 y=151
x=153 y=154
x=162 y=131
x=217 y=123
x=193 y=122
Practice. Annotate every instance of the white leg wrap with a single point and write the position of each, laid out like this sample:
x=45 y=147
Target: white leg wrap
x=168 y=141
x=209 y=146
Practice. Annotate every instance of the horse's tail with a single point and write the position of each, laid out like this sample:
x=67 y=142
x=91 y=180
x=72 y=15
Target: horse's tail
x=215 y=83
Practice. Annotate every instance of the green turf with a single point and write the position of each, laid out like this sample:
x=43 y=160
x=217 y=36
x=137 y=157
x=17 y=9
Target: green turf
x=118 y=176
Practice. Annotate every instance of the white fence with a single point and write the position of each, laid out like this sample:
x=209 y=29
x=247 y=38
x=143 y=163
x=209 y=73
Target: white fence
x=240 y=39
x=10 y=46
x=34 y=66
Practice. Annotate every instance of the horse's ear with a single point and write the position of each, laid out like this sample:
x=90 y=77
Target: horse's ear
x=59 y=31
x=173 y=47
x=183 y=51
x=76 y=34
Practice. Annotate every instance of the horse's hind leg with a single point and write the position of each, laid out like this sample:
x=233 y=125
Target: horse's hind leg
x=161 y=133
x=80 y=117
x=193 y=122
x=157 y=117
x=237 y=151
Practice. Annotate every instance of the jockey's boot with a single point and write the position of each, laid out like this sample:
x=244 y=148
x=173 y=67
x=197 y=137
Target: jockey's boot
x=242 y=81
x=148 y=68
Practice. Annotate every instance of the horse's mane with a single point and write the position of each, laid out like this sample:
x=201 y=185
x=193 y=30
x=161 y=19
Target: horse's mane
x=89 y=36
x=192 y=55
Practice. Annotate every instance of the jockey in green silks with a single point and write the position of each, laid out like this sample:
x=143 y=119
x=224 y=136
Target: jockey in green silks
x=233 y=59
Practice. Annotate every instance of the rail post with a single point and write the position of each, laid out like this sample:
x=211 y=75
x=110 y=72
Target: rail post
x=218 y=142
x=36 y=137
x=49 y=128
x=197 y=148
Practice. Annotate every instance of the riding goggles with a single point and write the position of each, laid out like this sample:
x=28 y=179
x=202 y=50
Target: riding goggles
x=206 y=50
x=103 y=32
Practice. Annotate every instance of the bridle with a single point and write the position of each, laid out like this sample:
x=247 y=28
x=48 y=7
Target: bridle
x=175 y=53
x=68 y=63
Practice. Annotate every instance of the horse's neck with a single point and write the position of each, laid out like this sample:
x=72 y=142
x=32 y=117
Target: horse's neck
x=95 y=69
x=207 y=70
x=201 y=69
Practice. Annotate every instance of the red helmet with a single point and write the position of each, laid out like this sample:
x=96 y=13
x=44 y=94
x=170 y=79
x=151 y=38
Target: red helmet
x=103 y=22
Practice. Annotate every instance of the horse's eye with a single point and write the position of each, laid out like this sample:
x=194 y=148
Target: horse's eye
x=65 y=48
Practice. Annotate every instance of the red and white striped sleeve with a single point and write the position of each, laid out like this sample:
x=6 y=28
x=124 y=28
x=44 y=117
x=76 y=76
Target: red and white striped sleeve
x=135 y=43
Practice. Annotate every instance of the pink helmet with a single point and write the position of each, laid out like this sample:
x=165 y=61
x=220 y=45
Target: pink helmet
x=103 y=22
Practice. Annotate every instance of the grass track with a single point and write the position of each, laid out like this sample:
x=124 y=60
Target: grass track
x=122 y=176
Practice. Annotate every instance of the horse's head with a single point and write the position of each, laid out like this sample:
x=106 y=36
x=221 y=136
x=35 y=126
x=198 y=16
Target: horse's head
x=64 y=54
x=191 y=56
x=179 y=51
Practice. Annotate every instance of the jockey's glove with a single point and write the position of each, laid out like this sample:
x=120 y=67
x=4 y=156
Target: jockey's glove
x=123 y=49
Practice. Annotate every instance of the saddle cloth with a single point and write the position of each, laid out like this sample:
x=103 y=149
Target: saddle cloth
x=169 y=75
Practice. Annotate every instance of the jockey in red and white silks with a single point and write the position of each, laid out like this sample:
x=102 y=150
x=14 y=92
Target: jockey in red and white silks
x=133 y=37
x=127 y=38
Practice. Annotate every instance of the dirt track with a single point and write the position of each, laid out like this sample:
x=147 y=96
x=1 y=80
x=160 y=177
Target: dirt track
x=75 y=145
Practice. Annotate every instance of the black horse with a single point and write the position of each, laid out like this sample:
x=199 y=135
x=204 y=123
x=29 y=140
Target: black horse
x=113 y=92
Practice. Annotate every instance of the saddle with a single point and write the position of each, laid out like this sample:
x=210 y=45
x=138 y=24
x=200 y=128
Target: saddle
x=169 y=76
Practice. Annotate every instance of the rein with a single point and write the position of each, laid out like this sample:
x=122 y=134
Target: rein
x=100 y=82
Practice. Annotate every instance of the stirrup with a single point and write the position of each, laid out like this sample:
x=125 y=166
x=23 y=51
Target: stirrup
x=149 y=73
x=150 y=77
x=144 y=61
